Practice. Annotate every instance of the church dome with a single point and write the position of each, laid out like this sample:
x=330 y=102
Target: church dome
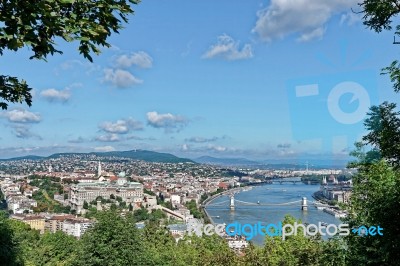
x=122 y=175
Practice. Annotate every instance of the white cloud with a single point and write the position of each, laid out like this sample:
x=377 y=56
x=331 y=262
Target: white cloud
x=76 y=66
x=185 y=147
x=316 y=34
x=307 y=18
x=22 y=116
x=227 y=48
x=120 y=78
x=121 y=126
x=104 y=148
x=23 y=132
x=201 y=139
x=140 y=59
x=167 y=121
x=77 y=140
x=53 y=95
x=139 y=138
x=350 y=18
x=216 y=148
x=108 y=138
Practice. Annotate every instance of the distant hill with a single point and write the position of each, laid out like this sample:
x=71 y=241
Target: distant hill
x=225 y=161
x=143 y=155
x=28 y=157
x=271 y=164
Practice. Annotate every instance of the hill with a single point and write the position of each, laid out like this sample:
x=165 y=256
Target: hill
x=143 y=155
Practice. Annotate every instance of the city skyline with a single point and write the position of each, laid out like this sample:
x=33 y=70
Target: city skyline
x=215 y=83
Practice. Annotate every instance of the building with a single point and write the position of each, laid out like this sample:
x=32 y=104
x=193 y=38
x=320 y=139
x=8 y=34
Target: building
x=340 y=194
x=76 y=226
x=130 y=192
x=175 y=199
x=34 y=221
x=56 y=222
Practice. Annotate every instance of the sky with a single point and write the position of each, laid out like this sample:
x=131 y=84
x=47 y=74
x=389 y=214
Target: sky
x=263 y=80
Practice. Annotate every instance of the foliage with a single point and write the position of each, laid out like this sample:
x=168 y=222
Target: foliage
x=192 y=206
x=46 y=204
x=148 y=192
x=379 y=15
x=383 y=125
x=38 y=24
x=54 y=249
x=296 y=250
x=375 y=201
x=113 y=240
x=9 y=247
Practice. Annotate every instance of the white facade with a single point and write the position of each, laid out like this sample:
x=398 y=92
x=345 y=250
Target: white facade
x=76 y=227
x=81 y=192
x=175 y=199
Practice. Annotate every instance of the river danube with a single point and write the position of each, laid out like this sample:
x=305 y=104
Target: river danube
x=270 y=194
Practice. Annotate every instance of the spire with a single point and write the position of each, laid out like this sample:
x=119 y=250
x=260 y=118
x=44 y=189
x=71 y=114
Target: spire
x=99 y=170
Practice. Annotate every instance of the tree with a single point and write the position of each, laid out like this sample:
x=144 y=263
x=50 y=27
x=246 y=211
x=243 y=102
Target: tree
x=383 y=125
x=9 y=247
x=378 y=15
x=60 y=246
x=376 y=199
x=38 y=24
x=113 y=240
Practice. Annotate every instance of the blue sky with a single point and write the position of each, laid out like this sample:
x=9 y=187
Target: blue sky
x=257 y=79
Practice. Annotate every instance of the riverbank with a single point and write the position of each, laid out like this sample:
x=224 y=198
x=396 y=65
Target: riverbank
x=213 y=197
x=334 y=210
x=274 y=194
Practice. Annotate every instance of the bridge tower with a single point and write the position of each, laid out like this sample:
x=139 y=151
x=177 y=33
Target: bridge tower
x=232 y=205
x=304 y=206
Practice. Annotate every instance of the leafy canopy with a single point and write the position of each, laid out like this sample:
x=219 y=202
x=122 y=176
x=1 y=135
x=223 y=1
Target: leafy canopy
x=39 y=24
x=378 y=15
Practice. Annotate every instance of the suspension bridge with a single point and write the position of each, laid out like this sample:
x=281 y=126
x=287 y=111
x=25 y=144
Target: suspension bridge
x=232 y=202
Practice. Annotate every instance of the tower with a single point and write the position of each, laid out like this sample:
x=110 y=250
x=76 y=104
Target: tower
x=232 y=205
x=335 y=181
x=304 y=206
x=99 y=170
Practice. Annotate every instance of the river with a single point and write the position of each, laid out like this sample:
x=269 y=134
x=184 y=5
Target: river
x=272 y=193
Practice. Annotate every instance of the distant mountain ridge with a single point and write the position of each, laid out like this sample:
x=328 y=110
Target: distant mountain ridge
x=143 y=155
x=225 y=161
x=271 y=164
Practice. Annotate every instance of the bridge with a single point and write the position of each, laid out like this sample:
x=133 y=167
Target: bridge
x=292 y=181
x=272 y=181
x=232 y=202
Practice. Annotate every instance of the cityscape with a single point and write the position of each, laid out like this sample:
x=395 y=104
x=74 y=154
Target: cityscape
x=86 y=183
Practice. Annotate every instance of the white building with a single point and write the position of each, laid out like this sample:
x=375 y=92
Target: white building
x=130 y=192
x=76 y=227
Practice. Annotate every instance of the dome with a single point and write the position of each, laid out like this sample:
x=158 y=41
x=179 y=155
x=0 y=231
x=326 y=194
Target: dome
x=121 y=175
